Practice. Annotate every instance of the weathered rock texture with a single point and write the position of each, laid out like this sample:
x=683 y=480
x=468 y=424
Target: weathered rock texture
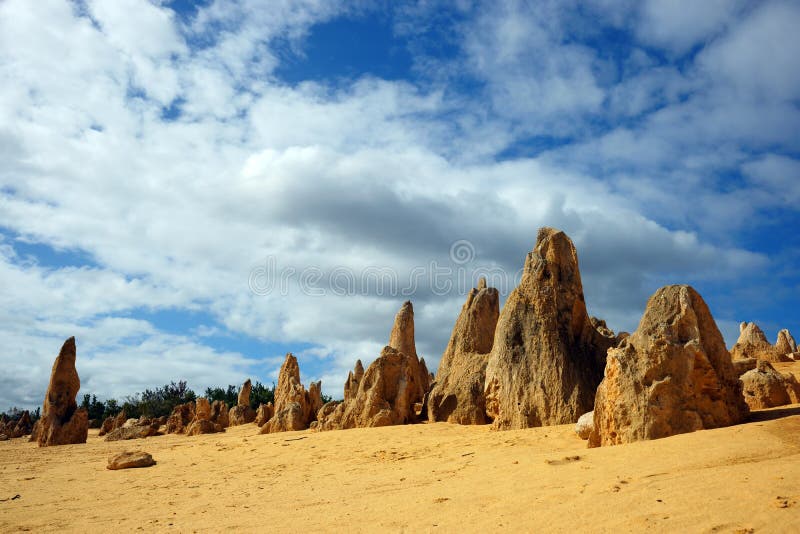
x=295 y=408
x=764 y=387
x=752 y=343
x=219 y=413
x=137 y=429
x=130 y=459
x=457 y=393
x=62 y=422
x=786 y=344
x=547 y=359
x=112 y=423
x=242 y=413
x=388 y=391
x=585 y=425
x=202 y=423
x=264 y=413
x=180 y=418
x=672 y=375
x=17 y=428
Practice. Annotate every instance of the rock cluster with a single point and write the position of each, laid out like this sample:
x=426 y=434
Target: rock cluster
x=264 y=413
x=387 y=392
x=202 y=422
x=672 y=375
x=764 y=387
x=752 y=343
x=219 y=413
x=62 y=422
x=456 y=395
x=112 y=423
x=242 y=413
x=180 y=418
x=16 y=428
x=547 y=359
x=295 y=408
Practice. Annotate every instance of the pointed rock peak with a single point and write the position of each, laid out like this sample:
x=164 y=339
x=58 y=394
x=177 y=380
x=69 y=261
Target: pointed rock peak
x=752 y=343
x=786 y=343
x=482 y=283
x=742 y=326
x=402 y=336
x=244 y=394
x=751 y=333
x=358 y=371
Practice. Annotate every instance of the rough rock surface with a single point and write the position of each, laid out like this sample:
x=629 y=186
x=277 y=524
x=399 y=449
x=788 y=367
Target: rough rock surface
x=242 y=413
x=353 y=380
x=138 y=430
x=672 y=375
x=62 y=422
x=752 y=343
x=389 y=389
x=742 y=366
x=130 y=459
x=764 y=387
x=22 y=426
x=585 y=425
x=547 y=359
x=786 y=344
x=113 y=423
x=202 y=423
x=219 y=413
x=180 y=418
x=295 y=408
x=264 y=413
x=456 y=395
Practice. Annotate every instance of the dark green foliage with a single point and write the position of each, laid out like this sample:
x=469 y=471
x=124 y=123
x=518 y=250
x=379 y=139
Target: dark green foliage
x=161 y=401
x=261 y=394
x=14 y=413
x=326 y=398
x=95 y=408
x=229 y=395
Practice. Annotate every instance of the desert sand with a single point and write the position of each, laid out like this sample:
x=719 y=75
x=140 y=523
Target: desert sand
x=426 y=477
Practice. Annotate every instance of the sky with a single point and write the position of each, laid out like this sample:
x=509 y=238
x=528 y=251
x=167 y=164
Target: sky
x=193 y=189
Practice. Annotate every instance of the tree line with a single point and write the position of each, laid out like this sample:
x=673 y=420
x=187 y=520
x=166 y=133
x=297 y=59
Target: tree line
x=159 y=401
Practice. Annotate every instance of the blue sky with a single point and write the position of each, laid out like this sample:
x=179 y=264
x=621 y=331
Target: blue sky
x=157 y=157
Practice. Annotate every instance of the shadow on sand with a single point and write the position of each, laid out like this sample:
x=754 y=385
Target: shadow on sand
x=771 y=414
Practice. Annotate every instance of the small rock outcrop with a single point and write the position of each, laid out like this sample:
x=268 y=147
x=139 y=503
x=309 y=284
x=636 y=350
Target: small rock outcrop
x=752 y=343
x=672 y=375
x=547 y=359
x=242 y=413
x=388 y=391
x=16 y=428
x=112 y=423
x=785 y=345
x=456 y=395
x=295 y=408
x=180 y=418
x=62 y=422
x=202 y=423
x=129 y=460
x=134 y=429
x=585 y=425
x=264 y=413
x=764 y=387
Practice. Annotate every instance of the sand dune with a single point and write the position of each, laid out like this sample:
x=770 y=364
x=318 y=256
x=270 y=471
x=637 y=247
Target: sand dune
x=432 y=477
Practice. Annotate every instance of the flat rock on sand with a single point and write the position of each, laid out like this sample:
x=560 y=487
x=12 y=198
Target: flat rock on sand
x=130 y=459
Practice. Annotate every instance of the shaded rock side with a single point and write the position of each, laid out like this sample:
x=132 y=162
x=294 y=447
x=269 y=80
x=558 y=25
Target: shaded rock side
x=457 y=394
x=547 y=359
x=202 y=423
x=295 y=408
x=765 y=387
x=112 y=423
x=219 y=413
x=180 y=418
x=353 y=380
x=62 y=422
x=672 y=375
x=264 y=413
x=752 y=343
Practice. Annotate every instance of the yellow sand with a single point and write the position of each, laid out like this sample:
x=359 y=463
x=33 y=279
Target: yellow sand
x=431 y=477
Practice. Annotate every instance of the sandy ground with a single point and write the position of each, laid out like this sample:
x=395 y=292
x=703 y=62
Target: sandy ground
x=431 y=477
